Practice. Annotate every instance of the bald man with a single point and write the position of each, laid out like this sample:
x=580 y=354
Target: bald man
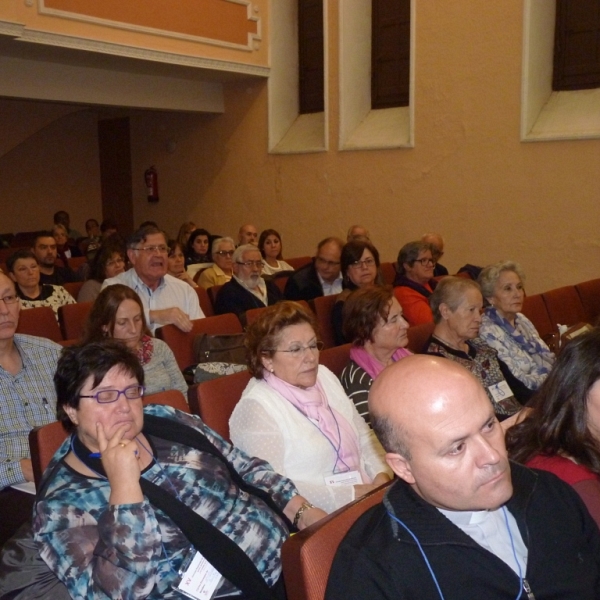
x=437 y=251
x=461 y=521
x=248 y=234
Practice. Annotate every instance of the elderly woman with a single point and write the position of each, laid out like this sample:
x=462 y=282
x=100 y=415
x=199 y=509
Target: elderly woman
x=295 y=415
x=109 y=261
x=197 y=249
x=414 y=284
x=269 y=244
x=507 y=330
x=456 y=304
x=133 y=493
x=561 y=434
x=118 y=313
x=24 y=270
x=373 y=321
x=222 y=270
x=360 y=269
x=176 y=263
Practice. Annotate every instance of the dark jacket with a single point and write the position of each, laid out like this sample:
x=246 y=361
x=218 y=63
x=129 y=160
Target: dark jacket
x=60 y=276
x=303 y=284
x=379 y=560
x=235 y=298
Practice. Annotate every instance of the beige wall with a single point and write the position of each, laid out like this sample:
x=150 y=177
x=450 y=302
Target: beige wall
x=468 y=176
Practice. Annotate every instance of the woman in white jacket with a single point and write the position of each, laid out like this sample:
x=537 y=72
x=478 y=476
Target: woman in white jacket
x=295 y=414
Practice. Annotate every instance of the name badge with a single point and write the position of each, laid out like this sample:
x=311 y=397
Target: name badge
x=200 y=579
x=349 y=478
x=500 y=391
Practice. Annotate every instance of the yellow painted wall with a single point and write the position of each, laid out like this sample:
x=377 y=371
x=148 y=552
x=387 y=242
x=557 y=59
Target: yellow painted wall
x=468 y=176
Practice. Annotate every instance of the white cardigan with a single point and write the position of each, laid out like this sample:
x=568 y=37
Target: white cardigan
x=266 y=425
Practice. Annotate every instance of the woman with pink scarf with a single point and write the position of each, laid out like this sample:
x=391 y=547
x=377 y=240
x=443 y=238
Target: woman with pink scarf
x=295 y=415
x=373 y=321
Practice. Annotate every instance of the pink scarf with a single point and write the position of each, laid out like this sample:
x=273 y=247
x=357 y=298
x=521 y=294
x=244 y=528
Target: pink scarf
x=369 y=363
x=312 y=403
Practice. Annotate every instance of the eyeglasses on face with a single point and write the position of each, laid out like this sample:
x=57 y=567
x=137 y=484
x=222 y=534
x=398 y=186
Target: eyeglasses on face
x=328 y=263
x=160 y=249
x=10 y=299
x=426 y=262
x=367 y=263
x=131 y=392
x=251 y=263
x=298 y=351
x=115 y=261
x=228 y=253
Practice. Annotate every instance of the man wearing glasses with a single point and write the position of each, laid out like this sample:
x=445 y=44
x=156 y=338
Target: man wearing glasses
x=247 y=289
x=166 y=299
x=27 y=400
x=321 y=277
x=437 y=248
x=414 y=282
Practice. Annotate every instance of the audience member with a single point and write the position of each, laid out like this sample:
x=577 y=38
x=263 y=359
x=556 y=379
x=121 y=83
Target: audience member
x=166 y=300
x=176 y=263
x=456 y=304
x=197 y=249
x=460 y=521
x=247 y=289
x=62 y=218
x=64 y=250
x=561 y=433
x=321 y=277
x=27 y=366
x=509 y=331
x=24 y=270
x=118 y=313
x=44 y=248
x=414 y=284
x=91 y=244
x=360 y=269
x=270 y=248
x=358 y=232
x=436 y=241
x=108 y=262
x=184 y=233
x=248 y=234
x=166 y=489
x=372 y=320
x=295 y=415
x=108 y=227
x=222 y=270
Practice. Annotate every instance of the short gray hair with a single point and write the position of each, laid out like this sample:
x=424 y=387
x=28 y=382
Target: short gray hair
x=218 y=241
x=240 y=250
x=410 y=252
x=489 y=276
x=450 y=291
x=392 y=436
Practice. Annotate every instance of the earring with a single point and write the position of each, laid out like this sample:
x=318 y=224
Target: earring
x=272 y=370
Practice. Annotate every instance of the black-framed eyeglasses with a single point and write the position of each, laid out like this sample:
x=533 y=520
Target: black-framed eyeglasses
x=225 y=253
x=426 y=262
x=131 y=392
x=10 y=299
x=298 y=351
x=251 y=263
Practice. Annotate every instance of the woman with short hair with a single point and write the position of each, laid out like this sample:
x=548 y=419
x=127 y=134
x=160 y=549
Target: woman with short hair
x=506 y=329
x=109 y=261
x=222 y=270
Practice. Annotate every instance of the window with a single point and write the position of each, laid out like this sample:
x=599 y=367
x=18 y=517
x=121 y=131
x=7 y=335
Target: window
x=311 y=57
x=390 y=53
x=577 y=45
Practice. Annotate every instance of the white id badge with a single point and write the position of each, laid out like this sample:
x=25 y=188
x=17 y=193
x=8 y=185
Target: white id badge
x=200 y=579
x=349 y=478
x=500 y=391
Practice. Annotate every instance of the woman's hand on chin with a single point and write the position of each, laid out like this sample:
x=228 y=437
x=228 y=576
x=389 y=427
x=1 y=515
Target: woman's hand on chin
x=120 y=459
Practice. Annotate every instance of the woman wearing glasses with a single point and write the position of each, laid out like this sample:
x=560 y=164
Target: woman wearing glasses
x=222 y=270
x=295 y=415
x=118 y=313
x=134 y=492
x=414 y=283
x=360 y=269
x=109 y=261
x=176 y=263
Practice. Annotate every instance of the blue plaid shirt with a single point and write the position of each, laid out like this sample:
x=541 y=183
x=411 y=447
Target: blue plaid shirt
x=27 y=400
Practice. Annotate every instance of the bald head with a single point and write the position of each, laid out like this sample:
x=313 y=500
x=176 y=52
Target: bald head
x=437 y=243
x=248 y=234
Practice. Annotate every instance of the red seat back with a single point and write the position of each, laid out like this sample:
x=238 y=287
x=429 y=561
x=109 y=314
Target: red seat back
x=72 y=318
x=39 y=321
x=336 y=358
x=323 y=309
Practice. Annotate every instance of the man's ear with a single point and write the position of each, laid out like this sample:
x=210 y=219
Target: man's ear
x=131 y=255
x=400 y=466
